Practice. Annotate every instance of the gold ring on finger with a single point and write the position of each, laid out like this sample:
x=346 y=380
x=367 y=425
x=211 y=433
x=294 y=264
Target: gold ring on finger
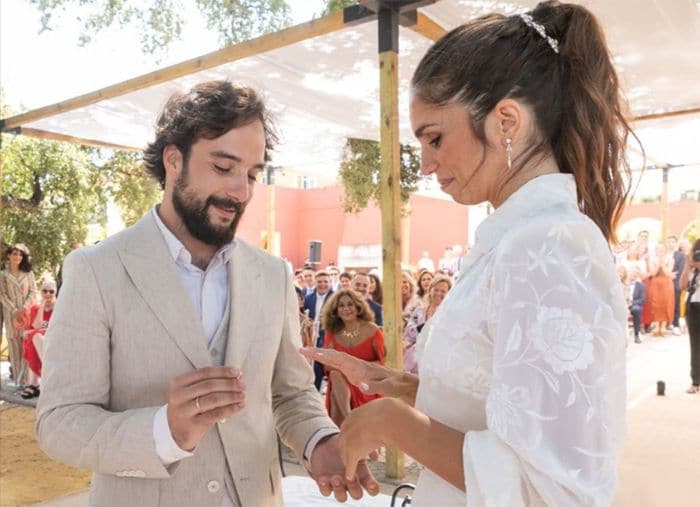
x=196 y=403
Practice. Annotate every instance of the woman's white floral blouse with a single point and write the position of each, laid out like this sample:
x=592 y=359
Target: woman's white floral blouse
x=527 y=356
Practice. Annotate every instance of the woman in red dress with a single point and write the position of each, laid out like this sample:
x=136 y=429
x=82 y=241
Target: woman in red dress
x=349 y=327
x=34 y=323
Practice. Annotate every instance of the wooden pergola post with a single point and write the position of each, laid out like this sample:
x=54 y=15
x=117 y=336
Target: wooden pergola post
x=664 y=205
x=391 y=201
x=270 y=245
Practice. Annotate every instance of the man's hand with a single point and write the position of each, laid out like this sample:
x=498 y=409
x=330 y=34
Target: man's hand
x=200 y=399
x=372 y=378
x=328 y=471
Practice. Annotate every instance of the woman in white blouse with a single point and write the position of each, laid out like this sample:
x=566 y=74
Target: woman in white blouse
x=520 y=398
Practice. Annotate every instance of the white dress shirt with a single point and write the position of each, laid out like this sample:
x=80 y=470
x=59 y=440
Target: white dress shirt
x=320 y=299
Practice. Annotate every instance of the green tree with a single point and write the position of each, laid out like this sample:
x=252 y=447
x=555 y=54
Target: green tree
x=125 y=180
x=360 y=173
x=160 y=22
x=49 y=195
x=692 y=231
x=336 y=5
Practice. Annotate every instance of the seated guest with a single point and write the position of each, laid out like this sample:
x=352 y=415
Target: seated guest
x=349 y=328
x=34 y=324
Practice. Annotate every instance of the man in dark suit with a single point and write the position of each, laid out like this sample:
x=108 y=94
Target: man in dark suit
x=308 y=278
x=360 y=284
x=679 y=259
x=313 y=304
x=637 y=297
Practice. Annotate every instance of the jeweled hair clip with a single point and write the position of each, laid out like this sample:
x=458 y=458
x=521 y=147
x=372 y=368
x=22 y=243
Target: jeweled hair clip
x=529 y=21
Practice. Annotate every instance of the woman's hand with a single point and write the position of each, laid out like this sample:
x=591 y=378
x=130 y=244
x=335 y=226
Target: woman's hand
x=371 y=378
x=365 y=429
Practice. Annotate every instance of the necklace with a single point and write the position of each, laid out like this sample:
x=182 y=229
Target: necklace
x=352 y=335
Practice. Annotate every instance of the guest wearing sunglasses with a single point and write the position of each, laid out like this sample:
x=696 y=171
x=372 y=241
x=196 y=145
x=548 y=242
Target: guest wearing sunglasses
x=34 y=324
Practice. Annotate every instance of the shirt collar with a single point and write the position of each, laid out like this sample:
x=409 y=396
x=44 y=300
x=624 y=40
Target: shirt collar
x=537 y=194
x=178 y=251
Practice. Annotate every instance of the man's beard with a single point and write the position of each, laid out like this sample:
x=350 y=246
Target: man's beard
x=195 y=213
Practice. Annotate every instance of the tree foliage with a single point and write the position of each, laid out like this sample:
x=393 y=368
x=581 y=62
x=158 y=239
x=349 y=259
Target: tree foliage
x=160 y=22
x=360 y=173
x=45 y=204
x=126 y=181
x=336 y=5
x=51 y=191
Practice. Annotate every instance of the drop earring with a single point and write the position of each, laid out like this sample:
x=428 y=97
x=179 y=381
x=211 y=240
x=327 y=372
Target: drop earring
x=509 y=152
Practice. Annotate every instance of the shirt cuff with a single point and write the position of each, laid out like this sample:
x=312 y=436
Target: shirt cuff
x=166 y=447
x=313 y=442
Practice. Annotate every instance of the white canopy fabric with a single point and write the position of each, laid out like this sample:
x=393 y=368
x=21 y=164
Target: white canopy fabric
x=325 y=89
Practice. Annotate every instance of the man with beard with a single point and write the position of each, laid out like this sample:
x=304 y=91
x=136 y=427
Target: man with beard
x=171 y=358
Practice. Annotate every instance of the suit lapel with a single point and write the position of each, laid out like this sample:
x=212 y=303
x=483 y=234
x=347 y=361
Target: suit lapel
x=245 y=279
x=152 y=270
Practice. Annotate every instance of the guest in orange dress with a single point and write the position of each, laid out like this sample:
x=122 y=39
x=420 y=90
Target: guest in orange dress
x=349 y=324
x=660 y=294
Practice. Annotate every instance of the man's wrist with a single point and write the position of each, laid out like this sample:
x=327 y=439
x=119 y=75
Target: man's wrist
x=320 y=436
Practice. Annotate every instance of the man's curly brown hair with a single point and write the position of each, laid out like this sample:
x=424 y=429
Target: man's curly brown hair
x=208 y=111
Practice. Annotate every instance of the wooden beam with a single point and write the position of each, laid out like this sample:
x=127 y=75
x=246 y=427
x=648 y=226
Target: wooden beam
x=321 y=26
x=427 y=28
x=55 y=136
x=390 y=180
x=667 y=114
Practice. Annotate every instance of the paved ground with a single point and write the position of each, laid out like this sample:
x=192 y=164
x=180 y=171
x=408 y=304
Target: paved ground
x=660 y=463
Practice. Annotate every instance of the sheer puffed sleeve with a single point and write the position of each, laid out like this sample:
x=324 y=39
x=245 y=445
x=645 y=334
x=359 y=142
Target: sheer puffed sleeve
x=556 y=406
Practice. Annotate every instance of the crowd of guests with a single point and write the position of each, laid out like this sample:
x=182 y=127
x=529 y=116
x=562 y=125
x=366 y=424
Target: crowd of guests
x=344 y=311
x=657 y=298
x=651 y=275
x=26 y=311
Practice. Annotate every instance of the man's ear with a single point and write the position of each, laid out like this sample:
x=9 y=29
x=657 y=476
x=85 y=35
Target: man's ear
x=172 y=160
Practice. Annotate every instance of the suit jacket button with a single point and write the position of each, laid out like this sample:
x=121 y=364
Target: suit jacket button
x=213 y=486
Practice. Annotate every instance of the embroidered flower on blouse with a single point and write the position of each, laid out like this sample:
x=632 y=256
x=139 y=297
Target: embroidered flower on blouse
x=564 y=340
x=505 y=406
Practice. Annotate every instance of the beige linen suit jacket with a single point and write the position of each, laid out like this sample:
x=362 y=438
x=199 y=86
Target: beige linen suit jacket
x=123 y=327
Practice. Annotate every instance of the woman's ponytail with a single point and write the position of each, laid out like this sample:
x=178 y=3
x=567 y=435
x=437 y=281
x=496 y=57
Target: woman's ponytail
x=593 y=133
